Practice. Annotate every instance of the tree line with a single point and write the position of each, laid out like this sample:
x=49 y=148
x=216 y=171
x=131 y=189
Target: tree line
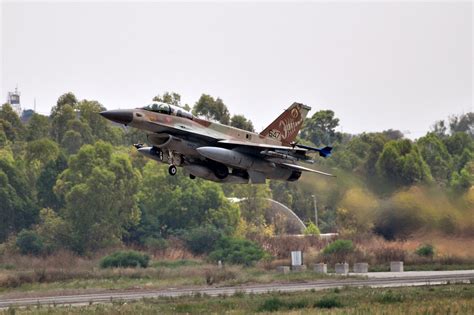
x=72 y=180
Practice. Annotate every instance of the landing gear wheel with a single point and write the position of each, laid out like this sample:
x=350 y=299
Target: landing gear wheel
x=172 y=170
x=221 y=171
x=192 y=176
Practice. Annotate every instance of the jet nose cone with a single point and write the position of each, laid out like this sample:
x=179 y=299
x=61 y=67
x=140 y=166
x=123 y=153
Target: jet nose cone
x=121 y=116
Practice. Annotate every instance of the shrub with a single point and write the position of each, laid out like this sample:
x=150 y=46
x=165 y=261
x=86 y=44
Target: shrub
x=328 y=302
x=237 y=251
x=338 y=251
x=29 y=243
x=156 y=244
x=201 y=240
x=312 y=229
x=426 y=250
x=214 y=276
x=339 y=247
x=271 y=305
x=125 y=259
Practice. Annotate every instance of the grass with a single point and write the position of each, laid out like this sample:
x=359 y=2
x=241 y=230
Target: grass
x=163 y=274
x=176 y=263
x=447 y=299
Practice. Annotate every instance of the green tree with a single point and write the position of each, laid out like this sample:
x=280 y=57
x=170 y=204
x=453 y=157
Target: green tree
x=312 y=229
x=171 y=98
x=17 y=206
x=60 y=118
x=237 y=251
x=462 y=123
x=97 y=127
x=38 y=154
x=254 y=201
x=53 y=230
x=463 y=180
x=12 y=126
x=38 y=127
x=3 y=136
x=41 y=152
x=239 y=121
x=66 y=99
x=99 y=189
x=29 y=243
x=321 y=128
x=439 y=128
x=402 y=164
x=46 y=181
x=212 y=109
x=458 y=142
x=436 y=155
x=175 y=202
x=72 y=142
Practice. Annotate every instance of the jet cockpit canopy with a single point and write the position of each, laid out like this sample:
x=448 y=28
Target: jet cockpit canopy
x=168 y=109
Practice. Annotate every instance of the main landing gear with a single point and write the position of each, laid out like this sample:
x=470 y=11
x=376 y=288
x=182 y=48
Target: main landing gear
x=172 y=170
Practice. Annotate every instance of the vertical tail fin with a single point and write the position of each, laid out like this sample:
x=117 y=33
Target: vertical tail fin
x=286 y=127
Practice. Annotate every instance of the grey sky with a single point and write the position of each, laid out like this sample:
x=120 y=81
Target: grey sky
x=377 y=65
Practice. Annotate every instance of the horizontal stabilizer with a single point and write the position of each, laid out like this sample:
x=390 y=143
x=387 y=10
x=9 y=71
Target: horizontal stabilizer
x=324 y=152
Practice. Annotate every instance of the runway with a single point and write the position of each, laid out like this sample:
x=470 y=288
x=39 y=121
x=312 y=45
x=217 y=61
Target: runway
x=374 y=280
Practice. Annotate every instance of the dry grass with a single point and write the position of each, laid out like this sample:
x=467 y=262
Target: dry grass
x=281 y=246
x=67 y=270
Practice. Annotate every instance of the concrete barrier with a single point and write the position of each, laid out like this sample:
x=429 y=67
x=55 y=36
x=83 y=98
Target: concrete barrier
x=298 y=268
x=342 y=269
x=361 y=267
x=283 y=269
x=396 y=266
x=320 y=268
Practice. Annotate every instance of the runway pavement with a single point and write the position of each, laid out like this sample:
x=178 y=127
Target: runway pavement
x=374 y=280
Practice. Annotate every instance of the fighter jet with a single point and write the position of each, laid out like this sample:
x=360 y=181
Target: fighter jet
x=221 y=153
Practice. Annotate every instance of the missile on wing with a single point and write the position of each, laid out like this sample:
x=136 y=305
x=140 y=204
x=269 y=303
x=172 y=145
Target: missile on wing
x=278 y=155
x=236 y=159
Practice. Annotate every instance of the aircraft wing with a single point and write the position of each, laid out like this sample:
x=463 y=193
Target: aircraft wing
x=187 y=132
x=260 y=146
x=305 y=169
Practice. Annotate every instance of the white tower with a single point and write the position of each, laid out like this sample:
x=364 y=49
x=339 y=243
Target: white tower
x=14 y=101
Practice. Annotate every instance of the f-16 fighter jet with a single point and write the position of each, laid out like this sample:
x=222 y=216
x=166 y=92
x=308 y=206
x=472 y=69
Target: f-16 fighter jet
x=218 y=152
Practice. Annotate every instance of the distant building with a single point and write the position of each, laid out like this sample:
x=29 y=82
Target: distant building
x=14 y=101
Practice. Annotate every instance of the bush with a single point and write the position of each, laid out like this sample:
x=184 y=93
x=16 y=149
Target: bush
x=275 y=304
x=214 y=276
x=156 y=244
x=202 y=240
x=29 y=243
x=271 y=305
x=125 y=259
x=426 y=250
x=338 y=251
x=328 y=302
x=339 y=247
x=237 y=251
x=312 y=229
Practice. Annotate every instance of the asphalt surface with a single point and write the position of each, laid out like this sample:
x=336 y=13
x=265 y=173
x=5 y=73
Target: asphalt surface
x=374 y=280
